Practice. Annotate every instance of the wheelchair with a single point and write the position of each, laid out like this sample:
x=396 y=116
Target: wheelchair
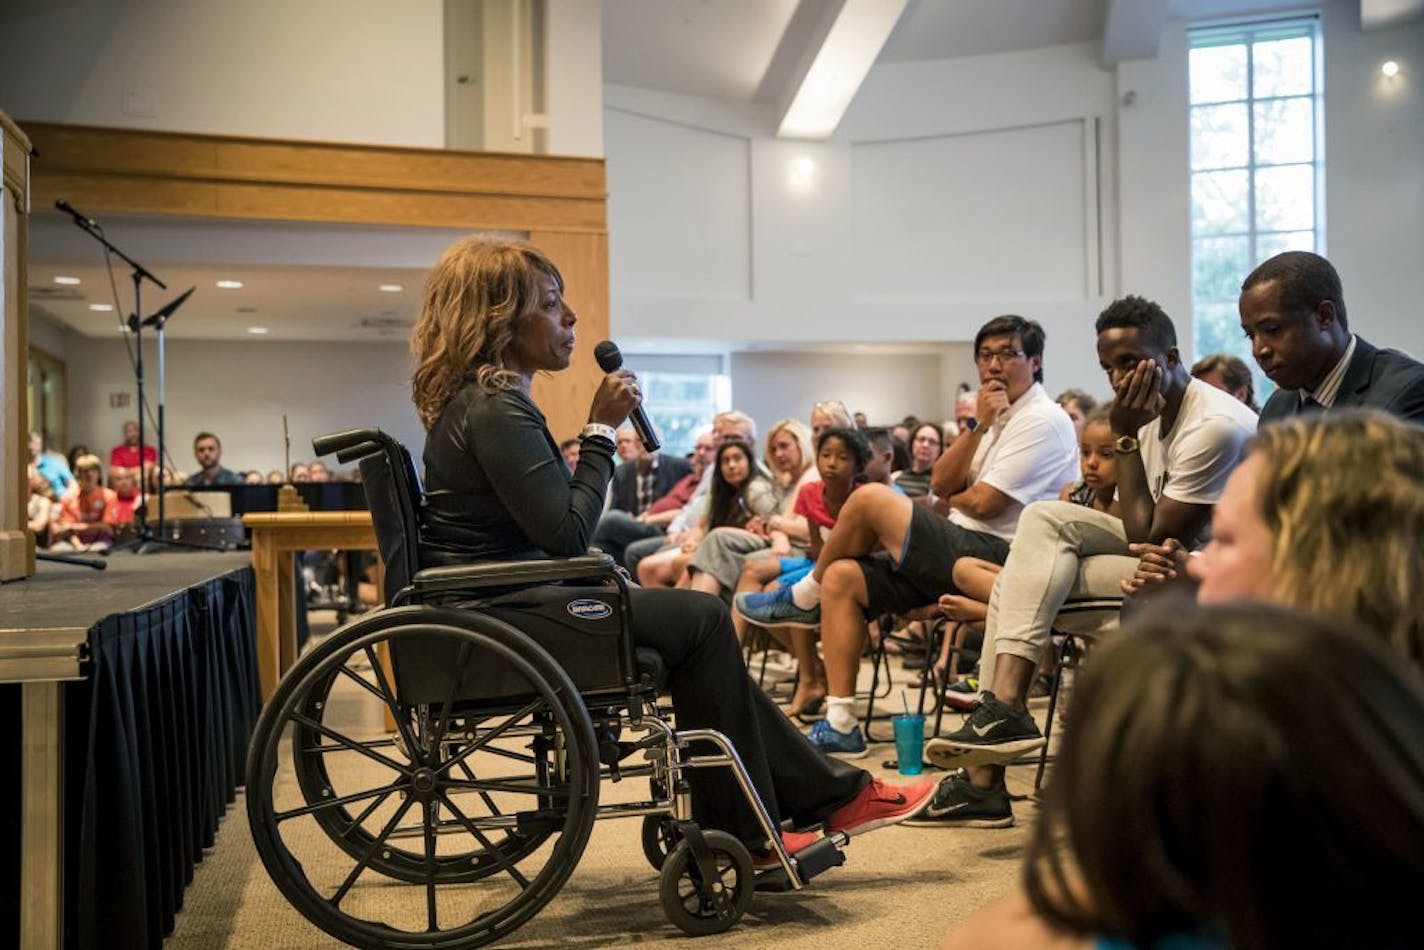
x=428 y=775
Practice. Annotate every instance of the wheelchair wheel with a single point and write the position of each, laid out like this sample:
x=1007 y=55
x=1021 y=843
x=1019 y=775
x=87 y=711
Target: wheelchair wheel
x=660 y=837
x=309 y=758
x=701 y=906
x=454 y=830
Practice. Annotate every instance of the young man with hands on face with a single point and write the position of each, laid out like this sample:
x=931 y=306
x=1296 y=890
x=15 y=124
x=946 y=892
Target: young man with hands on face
x=1176 y=440
x=888 y=554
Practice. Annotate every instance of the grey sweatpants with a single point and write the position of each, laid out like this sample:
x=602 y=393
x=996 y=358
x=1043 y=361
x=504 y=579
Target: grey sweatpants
x=1061 y=552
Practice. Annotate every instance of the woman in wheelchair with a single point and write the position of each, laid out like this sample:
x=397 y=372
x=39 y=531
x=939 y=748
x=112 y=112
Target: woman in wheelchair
x=497 y=488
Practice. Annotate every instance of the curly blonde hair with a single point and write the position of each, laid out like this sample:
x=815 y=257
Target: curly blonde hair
x=1343 y=495
x=473 y=303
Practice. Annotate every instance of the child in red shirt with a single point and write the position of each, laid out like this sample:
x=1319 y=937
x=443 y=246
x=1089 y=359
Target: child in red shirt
x=87 y=518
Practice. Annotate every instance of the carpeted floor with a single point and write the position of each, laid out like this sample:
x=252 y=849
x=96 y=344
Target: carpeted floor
x=906 y=885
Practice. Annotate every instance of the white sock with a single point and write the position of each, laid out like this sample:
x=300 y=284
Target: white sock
x=840 y=713
x=806 y=593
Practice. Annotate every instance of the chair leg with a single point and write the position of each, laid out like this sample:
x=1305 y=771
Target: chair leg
x=1069 y=650
x=877 y=658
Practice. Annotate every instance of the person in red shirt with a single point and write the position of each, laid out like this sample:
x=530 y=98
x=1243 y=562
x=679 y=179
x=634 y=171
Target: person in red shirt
x=125 y=455
x=126 y=494
x=87 y=518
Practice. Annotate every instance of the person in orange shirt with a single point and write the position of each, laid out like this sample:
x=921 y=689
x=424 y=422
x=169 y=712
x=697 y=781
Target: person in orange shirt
x=87 y=518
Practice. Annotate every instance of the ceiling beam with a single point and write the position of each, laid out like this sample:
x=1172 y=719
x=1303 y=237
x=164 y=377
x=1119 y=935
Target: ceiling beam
x=1382 y=14
x=1132 y=29
x=839 y=41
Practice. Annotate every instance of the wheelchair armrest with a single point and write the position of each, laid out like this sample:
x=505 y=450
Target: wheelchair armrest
x=511 y=573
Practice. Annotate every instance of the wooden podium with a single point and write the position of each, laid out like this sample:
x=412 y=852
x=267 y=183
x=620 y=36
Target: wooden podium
x=17 y=548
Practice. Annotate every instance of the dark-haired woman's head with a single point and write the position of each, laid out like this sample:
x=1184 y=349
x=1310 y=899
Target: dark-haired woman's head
x=1230 y=374
x=1206 y=787
x=926 y=443
x=841 y=456
x=735 y=469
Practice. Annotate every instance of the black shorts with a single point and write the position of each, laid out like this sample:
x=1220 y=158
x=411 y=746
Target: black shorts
x=932 y=544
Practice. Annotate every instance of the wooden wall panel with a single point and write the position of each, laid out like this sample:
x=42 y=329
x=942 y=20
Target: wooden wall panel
x=583 y=261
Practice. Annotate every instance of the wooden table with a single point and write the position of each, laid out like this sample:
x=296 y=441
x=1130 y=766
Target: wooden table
x=275 y=537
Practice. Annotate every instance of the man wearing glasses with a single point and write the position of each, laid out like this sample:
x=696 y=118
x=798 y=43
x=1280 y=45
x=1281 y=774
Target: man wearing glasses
x=887 y=554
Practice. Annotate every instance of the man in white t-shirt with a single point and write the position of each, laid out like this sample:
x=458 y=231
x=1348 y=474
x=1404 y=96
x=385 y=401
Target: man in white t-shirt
x=888 y=554
x=1177 y=440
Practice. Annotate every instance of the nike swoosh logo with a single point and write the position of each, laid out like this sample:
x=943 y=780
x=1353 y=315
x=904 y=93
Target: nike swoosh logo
x=982 y=731
x=897 y=800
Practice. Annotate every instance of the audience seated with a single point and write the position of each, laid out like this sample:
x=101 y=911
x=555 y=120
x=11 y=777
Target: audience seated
x=49 y=465
x=1293 y=312
x=1176 y=441
x=925 y=446
x=318 y=472
x=207 y=451
x=1096 y=489
x=888 y=554
x=1230 y=374
x=1078 y=405
x=254 y=477
x=299 y=472
x=126 y=455
x=717 y=562
x=1297 y=525
x=127 y=497
x=569 y=449
x=88 y=517
x=641 y=479
x=663 y=551
x=41 y=507
x=739 y=501
x=1201 y=799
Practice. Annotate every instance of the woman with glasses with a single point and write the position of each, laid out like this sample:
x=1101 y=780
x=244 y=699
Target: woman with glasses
x=926 y=443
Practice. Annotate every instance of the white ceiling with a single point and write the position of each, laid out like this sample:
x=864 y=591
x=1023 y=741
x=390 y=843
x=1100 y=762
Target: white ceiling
x=944 y=29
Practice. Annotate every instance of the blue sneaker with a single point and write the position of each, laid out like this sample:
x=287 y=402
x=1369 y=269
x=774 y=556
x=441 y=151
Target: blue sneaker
x=775 y=608
x=846 y=745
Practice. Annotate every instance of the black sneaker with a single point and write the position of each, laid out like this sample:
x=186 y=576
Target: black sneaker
x=957 y=804
x=993 y=733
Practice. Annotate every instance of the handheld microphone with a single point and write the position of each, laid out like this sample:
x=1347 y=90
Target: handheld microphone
x=610 y=360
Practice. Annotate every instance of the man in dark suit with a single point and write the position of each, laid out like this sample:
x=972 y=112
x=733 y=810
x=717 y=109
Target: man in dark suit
x=1293 y=311
x=641 y=479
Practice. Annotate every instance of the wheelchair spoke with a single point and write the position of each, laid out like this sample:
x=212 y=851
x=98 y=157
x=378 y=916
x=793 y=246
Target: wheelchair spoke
x=462 y=662
x=517 y=787
x=337 y=802
x=351 y=744
x=356 y=822
x=361 y=681
x=488 y=737
x=376 y=845
x=494 y=851
x=346 y=747
x=432 y=924
x=489 y=802
x=388 y=696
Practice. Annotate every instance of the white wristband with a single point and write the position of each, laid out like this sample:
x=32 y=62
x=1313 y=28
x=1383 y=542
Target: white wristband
x=600 y=431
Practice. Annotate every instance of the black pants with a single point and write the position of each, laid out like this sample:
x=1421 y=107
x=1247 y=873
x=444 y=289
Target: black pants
x=711 y=689
x=618 y=529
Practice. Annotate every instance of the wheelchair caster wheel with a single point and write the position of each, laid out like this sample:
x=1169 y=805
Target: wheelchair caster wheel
x=660 y=837
x=700 y=906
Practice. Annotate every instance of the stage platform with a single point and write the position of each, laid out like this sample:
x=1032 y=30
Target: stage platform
x=127 y=697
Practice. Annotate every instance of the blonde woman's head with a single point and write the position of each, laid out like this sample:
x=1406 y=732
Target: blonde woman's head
x=474 y=301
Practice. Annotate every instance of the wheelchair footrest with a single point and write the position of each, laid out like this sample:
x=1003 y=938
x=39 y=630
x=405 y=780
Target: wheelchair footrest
x=810 y=861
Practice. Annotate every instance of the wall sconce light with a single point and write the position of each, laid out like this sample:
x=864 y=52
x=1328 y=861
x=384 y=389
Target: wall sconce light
x=803 y=176
x=1390 y=69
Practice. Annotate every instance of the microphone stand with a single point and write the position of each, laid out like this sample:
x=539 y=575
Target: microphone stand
x=138 y=274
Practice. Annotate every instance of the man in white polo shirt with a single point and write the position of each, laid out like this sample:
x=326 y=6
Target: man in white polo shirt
x=1177 y=440
x=888 y=554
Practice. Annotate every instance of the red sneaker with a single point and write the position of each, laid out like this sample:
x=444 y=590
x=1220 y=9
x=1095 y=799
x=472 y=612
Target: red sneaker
x=793 y=841
x=880 y=804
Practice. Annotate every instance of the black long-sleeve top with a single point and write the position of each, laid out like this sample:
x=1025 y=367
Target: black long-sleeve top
x=497 y=488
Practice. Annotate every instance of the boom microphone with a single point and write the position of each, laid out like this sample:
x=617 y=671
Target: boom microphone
x=610 y=360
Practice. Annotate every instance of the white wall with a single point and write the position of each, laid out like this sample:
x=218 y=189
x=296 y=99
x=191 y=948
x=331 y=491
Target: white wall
x=932 y=210
x=772 y=386
x=240 y=391
x=332 y=70
x=1374 y=175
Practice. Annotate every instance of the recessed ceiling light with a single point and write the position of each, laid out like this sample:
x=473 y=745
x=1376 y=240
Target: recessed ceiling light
x=68 y=281
x=257 y=331
x=101 y=307
x=1390 y=69
x=230 y=284
x=391 y=288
